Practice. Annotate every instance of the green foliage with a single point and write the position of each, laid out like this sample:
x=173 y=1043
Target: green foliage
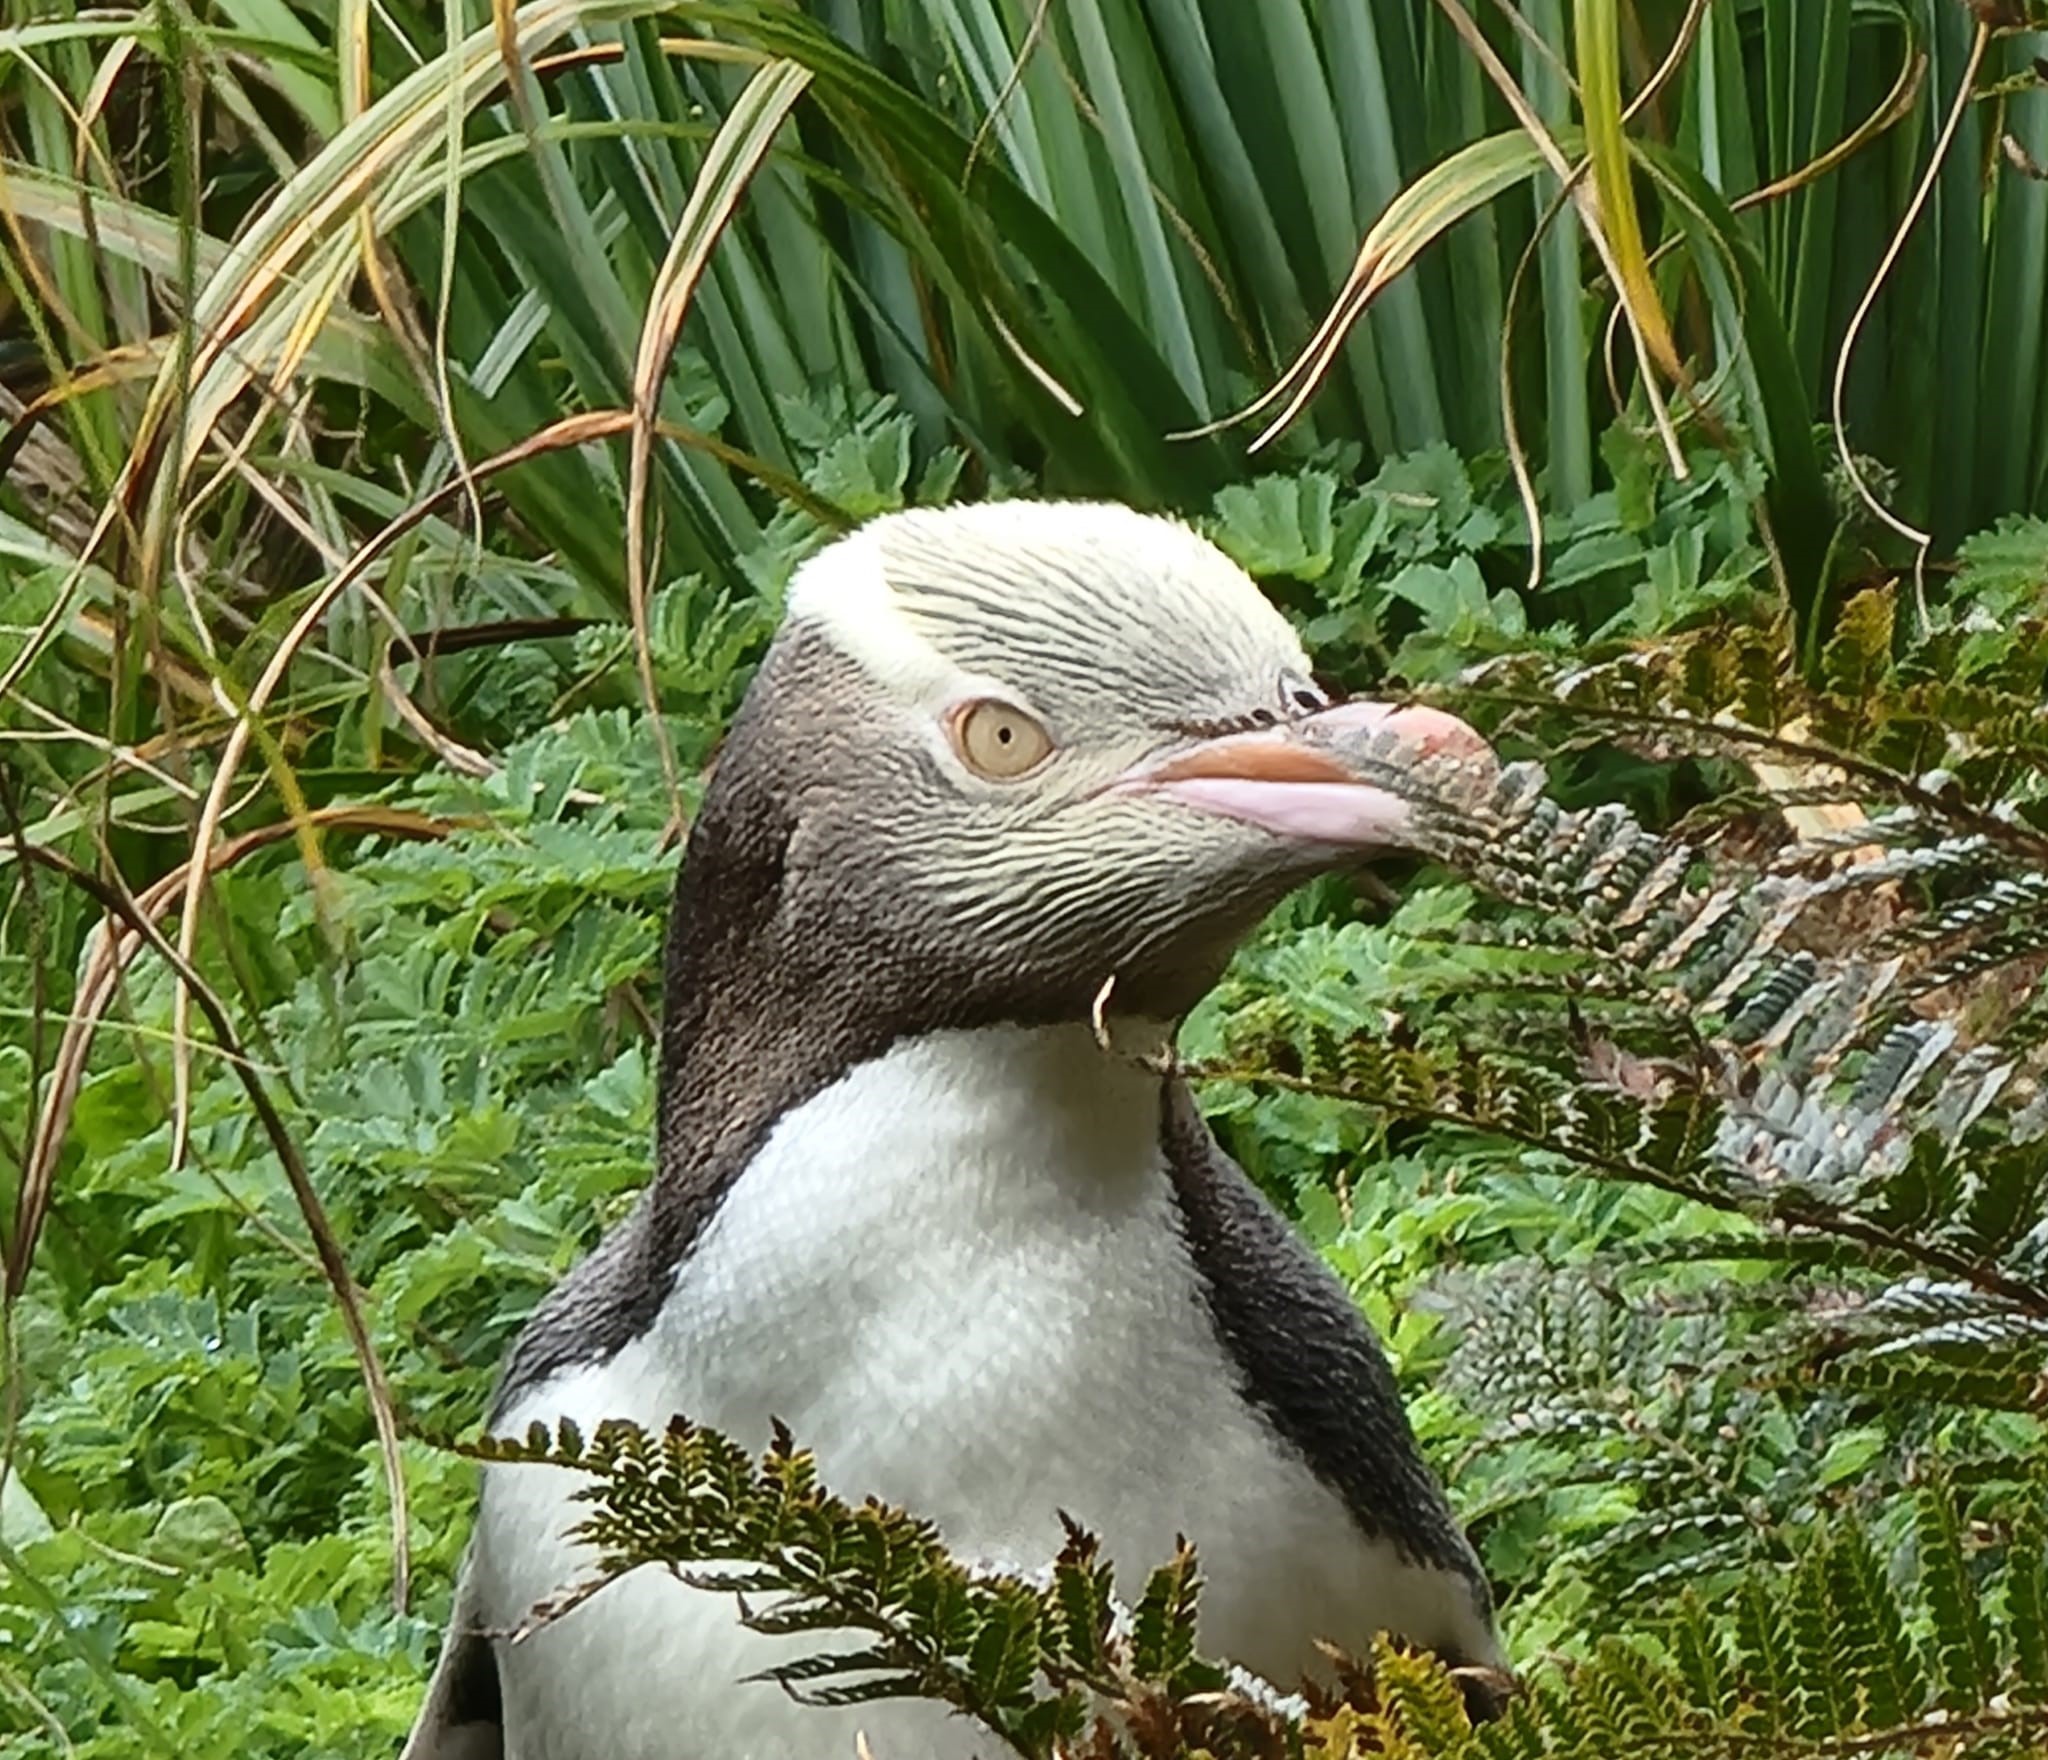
x=461 y=1026
x=1673 y=1383
x=279 y=279
x=987 y=216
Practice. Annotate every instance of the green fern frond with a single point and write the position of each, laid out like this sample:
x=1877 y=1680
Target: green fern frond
x=1966 y=1661
x=2025 y=1587
x=1767 y=1659
x=1419 y=1701
x=1842 y=1040
x=1869 y=1635
x=696 y=1503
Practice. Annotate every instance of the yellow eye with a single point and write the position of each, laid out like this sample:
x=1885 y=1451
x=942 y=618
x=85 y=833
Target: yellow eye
x=997 y=741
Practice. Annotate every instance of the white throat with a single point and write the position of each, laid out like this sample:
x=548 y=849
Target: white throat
x=914 y=1249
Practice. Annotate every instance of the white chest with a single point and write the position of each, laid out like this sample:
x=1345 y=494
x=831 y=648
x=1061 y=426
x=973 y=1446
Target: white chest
x=958 y=1276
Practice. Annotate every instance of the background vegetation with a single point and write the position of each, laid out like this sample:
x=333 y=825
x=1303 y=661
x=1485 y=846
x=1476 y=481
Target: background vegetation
x=400 y=399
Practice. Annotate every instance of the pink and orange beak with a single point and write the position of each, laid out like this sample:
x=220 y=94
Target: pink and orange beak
x=1293 y=780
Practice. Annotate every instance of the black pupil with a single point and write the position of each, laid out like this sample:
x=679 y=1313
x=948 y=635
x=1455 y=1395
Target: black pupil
x=1307 y=699
x=1003 y=734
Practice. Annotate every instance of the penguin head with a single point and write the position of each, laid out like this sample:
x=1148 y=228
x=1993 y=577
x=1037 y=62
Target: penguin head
x=1000 y=756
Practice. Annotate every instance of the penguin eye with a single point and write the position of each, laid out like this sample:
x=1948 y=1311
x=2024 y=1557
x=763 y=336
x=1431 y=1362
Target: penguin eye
x=998 y=741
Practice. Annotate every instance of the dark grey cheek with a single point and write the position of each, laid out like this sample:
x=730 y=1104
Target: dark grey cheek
x=1034 y=929
x=1189 y=909
x=1168 y=965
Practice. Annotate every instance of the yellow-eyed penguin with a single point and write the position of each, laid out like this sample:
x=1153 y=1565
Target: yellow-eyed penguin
x=906 y=1202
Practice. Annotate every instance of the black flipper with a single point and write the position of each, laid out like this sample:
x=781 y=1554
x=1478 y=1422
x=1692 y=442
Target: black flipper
x=1311 y=1364
x=463 y=1717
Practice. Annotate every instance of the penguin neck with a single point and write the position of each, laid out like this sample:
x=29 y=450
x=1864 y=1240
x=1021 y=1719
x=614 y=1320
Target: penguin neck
x=766 y=1008
x=726 y=1087
x=994 y=1123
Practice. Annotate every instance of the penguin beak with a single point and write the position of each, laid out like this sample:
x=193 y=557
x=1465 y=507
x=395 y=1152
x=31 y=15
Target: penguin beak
x=1296 y=781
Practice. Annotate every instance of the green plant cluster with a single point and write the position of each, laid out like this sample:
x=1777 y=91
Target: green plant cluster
x=323 y=330
x=1653 y=1383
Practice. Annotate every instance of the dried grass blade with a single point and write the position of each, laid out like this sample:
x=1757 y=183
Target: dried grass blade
x=735 y=154
x=1598 y=25
x=1423 y=211
x=1965 y=95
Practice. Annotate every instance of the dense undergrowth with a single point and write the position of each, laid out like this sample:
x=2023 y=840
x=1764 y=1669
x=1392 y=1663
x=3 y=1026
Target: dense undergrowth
x=1756 y=1470
x=460 y=1009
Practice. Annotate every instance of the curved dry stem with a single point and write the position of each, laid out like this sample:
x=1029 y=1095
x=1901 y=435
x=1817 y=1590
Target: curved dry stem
x=463 y=760
x=1921 y=541
x=112 y=366
x=1518 y=457
x=1511 y=432
x=1012 y=83
x=84 y=145
x=1313 y=364
x=25 y=261
x=1041 y=374
x=1169 y=210
x=1674 y=58
x=1891 y=110
x=736 y=153
x=404 y=646
x=1533 y=40
x=1490 y=63
x=119 y=757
